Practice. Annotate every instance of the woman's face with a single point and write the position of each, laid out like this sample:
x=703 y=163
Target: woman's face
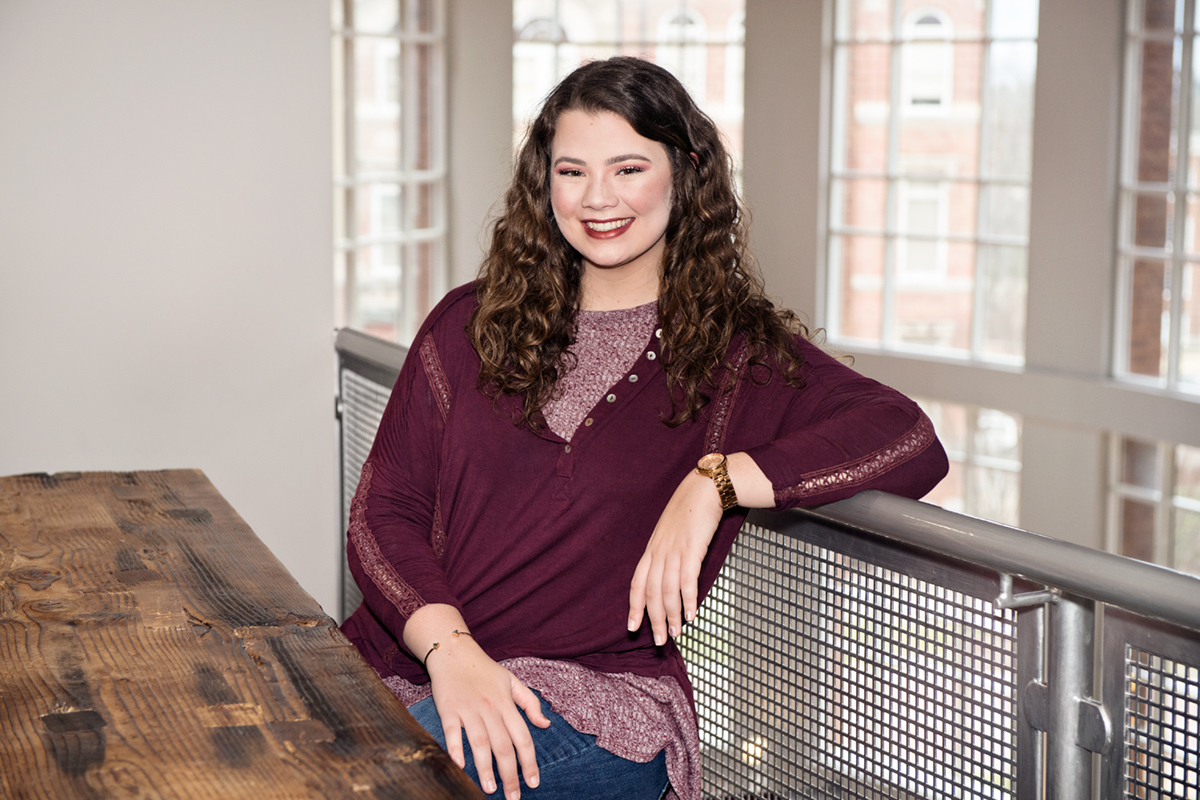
x=610 y=189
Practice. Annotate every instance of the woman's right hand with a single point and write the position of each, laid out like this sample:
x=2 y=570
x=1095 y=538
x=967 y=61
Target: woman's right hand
x=478 y=698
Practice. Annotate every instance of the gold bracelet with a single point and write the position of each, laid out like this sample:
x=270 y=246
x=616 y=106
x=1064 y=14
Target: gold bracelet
x=455 y=633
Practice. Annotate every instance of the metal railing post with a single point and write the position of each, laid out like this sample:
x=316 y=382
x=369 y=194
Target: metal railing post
x=1070 y=672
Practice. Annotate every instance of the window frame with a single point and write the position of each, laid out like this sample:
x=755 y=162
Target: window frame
x=1179 y=266
x=421 y=189
x=973 y=465
x=1163 y=498
x=893 y=174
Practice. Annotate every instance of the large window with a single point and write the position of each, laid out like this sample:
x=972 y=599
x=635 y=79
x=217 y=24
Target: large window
x=700 y=43
x=1158 y=307
x=929 y=176
x=389 y=163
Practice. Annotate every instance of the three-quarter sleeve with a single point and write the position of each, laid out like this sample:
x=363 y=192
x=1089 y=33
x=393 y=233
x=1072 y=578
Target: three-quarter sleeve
x=843 y=433
x=394 y=534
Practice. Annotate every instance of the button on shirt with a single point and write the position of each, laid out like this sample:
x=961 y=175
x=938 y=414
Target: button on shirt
x=607 y=345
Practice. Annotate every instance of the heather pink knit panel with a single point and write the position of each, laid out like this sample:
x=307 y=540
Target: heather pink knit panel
x=631 y=716
x=607 y=343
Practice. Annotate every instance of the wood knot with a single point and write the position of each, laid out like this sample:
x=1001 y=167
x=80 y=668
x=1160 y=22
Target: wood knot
x=37 y=578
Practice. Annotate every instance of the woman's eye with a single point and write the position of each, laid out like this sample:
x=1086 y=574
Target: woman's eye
x=569 y=173
x=629 y=170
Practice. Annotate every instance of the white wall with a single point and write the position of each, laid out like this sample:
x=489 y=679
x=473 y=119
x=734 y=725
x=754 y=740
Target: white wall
x=479 y=68
x=785 y=135
x=165 y=239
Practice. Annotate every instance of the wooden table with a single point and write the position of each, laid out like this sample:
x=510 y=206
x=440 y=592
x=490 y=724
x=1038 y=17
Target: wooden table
x=152 y=647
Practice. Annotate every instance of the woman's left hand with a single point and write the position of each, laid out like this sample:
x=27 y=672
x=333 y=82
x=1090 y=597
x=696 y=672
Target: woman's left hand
x=665 y=583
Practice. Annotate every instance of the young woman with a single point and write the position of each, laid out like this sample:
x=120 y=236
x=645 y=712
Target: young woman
x=573 y=443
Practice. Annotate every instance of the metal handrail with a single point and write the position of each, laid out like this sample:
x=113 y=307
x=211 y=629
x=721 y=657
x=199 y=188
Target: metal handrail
x=370 y=349
x=1143 y=588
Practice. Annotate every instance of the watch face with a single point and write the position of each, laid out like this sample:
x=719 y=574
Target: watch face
x=711 y=461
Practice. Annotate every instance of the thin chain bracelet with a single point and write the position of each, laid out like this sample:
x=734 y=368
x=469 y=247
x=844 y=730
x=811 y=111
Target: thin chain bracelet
x=455 y=633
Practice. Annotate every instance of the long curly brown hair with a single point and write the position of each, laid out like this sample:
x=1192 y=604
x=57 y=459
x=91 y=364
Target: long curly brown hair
x=528 y=287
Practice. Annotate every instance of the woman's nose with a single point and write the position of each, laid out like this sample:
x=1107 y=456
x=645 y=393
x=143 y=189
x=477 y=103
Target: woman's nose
x=599 y=193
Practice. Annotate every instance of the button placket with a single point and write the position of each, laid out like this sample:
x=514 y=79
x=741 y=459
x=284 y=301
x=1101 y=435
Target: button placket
x=611 y=398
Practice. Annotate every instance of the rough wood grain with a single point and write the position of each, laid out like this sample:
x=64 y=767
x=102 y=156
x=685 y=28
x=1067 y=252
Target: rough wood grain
x=152 y=647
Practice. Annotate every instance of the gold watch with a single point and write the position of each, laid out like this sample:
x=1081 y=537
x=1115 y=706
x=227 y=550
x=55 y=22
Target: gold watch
x=714 y=465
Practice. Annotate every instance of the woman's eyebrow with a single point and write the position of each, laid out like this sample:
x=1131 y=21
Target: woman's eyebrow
x=626 y=157
x=608 y=162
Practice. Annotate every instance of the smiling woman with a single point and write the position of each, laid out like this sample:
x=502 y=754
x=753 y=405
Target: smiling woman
x=611 y=192
x=570 y=451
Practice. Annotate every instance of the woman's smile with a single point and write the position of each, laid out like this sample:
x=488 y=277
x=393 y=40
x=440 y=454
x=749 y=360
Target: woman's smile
x=607 y=230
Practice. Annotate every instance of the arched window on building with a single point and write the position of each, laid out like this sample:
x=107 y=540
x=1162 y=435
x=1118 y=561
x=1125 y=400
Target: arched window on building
x=681 y=48
x=927 y=62
x=706 y=52
x=539 y=55
x=930 y=174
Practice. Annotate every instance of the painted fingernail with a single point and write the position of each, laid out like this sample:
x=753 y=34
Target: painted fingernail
x=631 y=625
x=532 y=781
x=515 y=794
x=672 y=631
x=691 y=616
x=489 y=785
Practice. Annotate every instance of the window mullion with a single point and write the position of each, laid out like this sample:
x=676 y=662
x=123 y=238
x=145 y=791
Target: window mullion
x=410 y=125
x=1163 y=515
x=979 y=294
x=891 y=241
x=1130 y=146
x=1113 y=530
x=350 y=165
x=1178 y=237
x=969 y=465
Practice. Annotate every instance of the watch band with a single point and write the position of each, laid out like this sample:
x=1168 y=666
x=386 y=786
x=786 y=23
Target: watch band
x=715 y=466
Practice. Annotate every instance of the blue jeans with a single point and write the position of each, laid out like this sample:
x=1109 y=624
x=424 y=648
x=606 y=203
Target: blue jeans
x=571 y=764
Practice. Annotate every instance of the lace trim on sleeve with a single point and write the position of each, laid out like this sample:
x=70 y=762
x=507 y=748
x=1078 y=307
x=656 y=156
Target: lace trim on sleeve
x=436 y=375
x=864 y=469
x=438 y=538
x=378 y=568
x=714 y=440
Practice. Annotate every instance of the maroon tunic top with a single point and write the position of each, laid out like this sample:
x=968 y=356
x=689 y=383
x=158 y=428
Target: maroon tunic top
x=535 y=539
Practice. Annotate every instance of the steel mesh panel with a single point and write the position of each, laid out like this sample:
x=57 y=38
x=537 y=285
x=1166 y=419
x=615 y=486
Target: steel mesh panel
x=822 y=675
x=1162 y=726
x=363 y=402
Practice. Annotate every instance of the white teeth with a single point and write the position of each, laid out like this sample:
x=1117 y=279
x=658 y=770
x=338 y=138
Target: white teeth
x=608 y=226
